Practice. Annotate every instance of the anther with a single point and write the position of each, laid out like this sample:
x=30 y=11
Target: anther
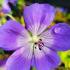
x=40 y=39
x=35 y=47
x=40 y=48
x=35 y=43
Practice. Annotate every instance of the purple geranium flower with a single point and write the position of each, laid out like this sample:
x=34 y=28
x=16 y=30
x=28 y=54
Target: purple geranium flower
x=5 y=6
x=35 y=45
x=13 y=1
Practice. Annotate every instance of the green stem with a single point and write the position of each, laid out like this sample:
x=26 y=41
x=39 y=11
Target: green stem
x=9 y=15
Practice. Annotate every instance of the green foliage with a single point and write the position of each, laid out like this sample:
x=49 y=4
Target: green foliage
x=65 y=58
x=1 y=2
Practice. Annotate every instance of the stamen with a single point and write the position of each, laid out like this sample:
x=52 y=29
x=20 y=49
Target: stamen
x=35 y=47
x=35 y=43
x=40 y=45
x=40 y=48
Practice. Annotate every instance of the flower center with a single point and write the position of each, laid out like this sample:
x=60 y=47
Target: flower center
x=38 y=43
x=35 y=39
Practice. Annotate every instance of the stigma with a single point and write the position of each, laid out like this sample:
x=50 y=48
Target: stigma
x=35 y=38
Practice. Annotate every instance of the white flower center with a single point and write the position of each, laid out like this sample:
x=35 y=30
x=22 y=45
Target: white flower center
x=35 y=38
